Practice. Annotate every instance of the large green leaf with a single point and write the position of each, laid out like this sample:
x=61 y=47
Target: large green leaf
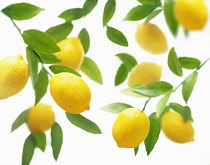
x=121 y=75
x=61 y=68
x=21 y=11
x=116 y=36
x=40 y=140
x=189 y=62
x=72 y=14
x=83 y=123
x=40 y=41
x=20 y=120
x=162 y=104
x=109 y=11
x=85 y=39
x=151 y=2
x=88 y=6
x=90 y=68
x=116 y=107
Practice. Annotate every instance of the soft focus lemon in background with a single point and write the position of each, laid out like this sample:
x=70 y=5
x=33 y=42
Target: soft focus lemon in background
x=14 y=75
x=130 y=128
x=71 y=54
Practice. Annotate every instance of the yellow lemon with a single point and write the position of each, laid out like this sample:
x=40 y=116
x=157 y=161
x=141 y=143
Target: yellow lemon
x=14 y=75
x=130 y=128
x=151 y=38
x=71 y=54
x=144 y=73
x=176 y=129
x=70 y=92
x=40 y=118
x=191 y=14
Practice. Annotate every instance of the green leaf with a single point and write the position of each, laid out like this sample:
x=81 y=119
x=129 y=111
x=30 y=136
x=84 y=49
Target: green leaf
x=189 y=62
x=121 y=75
x=88 y=6
x=169 y=16
x=154 y=89
x=85 y=39
x=136 y=149
x=109 y=11
x=21 y=11
x=188 y=85
x=56 y=139
x=128 y=60
x=153 y=15
x=41 y=85
x=40 y=140
x=28 y=150
x=72 y=14
x=173 y=63
x=116 y=36
x=151 y=2
x=20 y=120
x=130 y=91
x=83 y=123
x=61 y=68
x=140 y=12
x=116 y=107
x=49 y=58
x=33 y=60
x=153 y=134
x=90 y=68
x=60 y=32
x=40 y=41
x=162 y=104
x=166 y=109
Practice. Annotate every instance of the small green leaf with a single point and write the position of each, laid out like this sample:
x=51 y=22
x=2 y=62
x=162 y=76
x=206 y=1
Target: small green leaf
x=56 y=139
x=28 y=150
x=162 y=104
x=116 y=36
x=154 y=89
x=20 y=120
x=169 y=16
x=88 y=6
x=151 y=2
x=173 y=63
x=116 y=107
x=41 y=85
x=189 y=62
x=33 y=60
x=153 y=134
x=109 y=11
x=136 y=149
x=188 y=85
x=130 y=91
x=128 y=60
x=83 y=123
x=40 y=41
x=40 y=140
x=60 y=32
x=72 y=14
x=85 y=39
x=153 y=15
x=121 y=75
x=49 y=58
x=21 y=11
x=90 y=68
x=140 y=12
x=61 y=68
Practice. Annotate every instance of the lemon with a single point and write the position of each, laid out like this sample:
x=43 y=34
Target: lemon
x=176 y=129
x=14 y=75
x=71 y=54
x=70 y=92
x=191 y=14
x=144 y=73
x=151 y=38
x=130 y=128
x=40 y=118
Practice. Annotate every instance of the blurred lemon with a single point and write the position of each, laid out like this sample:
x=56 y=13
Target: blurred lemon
x=70 y=92
x=14 y=75
x=191 y=14
x=144 y=73
x=150 y=38
x=130 y=128
x=71 y=54
x=40 y=118
x=176 y=129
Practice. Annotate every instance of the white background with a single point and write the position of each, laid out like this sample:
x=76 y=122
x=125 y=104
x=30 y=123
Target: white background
x=80 y=147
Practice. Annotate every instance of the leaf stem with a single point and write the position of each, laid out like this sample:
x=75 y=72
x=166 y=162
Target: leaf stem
x=16 y=27
x=145 y=104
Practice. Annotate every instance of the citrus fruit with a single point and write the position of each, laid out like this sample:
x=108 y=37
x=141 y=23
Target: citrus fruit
x=71 y=54
x=70 y=92
x=40 y=118
x=151 y=38
x=144 y=73
x=130 y=128
x=191 y=14
x=176 y=129
x=14 y=75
